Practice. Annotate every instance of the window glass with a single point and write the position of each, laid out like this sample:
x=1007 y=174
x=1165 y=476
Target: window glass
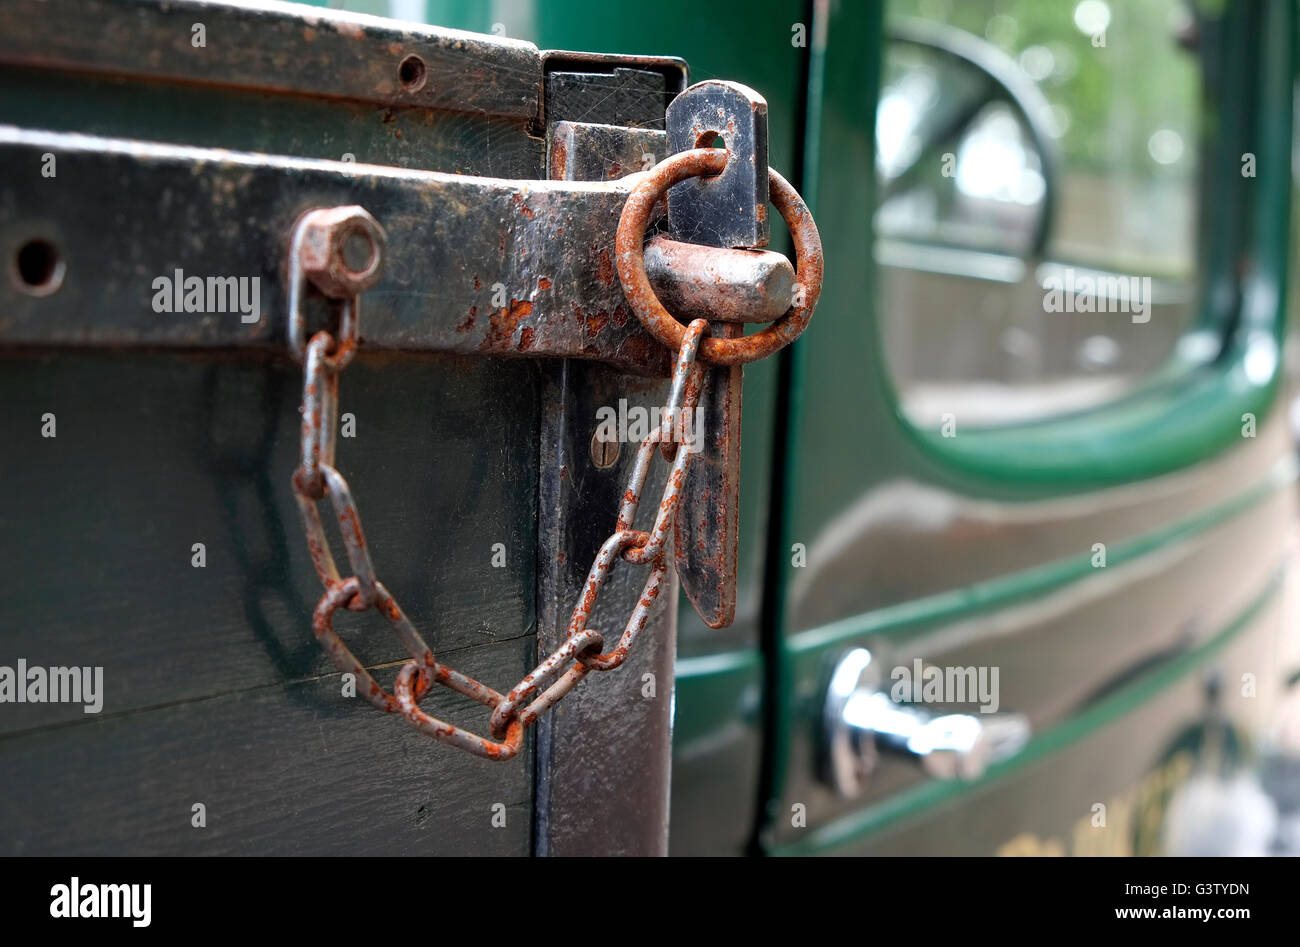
x=1036 y=233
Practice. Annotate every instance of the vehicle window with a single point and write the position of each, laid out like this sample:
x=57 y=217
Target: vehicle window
x=1036 y=232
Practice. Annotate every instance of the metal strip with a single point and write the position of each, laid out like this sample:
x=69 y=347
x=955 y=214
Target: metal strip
x=282 y=47
x=474 y=266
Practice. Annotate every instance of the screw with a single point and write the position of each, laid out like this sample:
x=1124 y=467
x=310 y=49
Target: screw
x=604 y=454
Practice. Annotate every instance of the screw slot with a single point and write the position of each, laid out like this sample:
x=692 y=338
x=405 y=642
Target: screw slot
x=412 y=73
x=37 y=268
x=604 y=454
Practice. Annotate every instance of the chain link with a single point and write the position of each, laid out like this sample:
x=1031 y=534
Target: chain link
x=324 y=357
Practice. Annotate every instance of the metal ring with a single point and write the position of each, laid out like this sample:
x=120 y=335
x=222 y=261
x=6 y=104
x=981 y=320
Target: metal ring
x=636 y=623
x=506 y=712
x=320 y=397
x=322 y=623
x=658 y=320
x=354 y=537
x=449 y=733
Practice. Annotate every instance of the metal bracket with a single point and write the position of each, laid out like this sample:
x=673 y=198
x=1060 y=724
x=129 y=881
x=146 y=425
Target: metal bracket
x=729 y=210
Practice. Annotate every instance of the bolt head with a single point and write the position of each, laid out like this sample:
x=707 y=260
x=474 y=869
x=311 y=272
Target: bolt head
x=329 y=238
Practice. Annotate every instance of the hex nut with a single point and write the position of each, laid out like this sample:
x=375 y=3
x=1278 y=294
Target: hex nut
x=324 y=235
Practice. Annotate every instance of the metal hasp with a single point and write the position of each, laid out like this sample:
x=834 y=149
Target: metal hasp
x=524 y=268
x=727 y=210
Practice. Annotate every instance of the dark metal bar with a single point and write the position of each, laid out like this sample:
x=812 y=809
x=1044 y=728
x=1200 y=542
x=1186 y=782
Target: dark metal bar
x=474 y=265
x=278 y=47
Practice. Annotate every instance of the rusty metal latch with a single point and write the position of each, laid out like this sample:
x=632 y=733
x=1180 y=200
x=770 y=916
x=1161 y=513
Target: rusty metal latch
x=702 y=360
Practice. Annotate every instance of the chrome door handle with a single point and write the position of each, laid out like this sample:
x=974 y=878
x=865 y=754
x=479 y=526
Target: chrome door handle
x=861 y=722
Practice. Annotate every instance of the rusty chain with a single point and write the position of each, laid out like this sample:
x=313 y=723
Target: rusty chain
x=317 y=256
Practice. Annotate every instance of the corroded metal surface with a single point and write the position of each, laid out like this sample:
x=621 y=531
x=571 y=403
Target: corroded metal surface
x=707 y=543
x=637 y=213
x=718 y=284
x=600 y=70
x=474 y=265
x=728 y=209
x=279 y=47
x=585 y=151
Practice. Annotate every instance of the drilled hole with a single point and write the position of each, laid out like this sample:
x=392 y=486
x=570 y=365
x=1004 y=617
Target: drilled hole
x=710 y=140
x=358 y=252
x=412 y=73
x=38 y=269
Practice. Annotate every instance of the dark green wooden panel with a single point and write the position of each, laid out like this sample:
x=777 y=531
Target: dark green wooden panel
x=154 y=454
x=282 y=770
x=213 y=673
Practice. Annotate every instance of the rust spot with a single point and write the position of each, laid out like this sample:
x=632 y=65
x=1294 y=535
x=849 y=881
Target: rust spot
x=644 y=350
x=596 y=324
x=526 y=338
x=518 y=200
x=605 y=268
x=348 y=519
x=543 y=283
x=477 y=285
x=468 y=322
x=559 y=160
x=501 y=329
